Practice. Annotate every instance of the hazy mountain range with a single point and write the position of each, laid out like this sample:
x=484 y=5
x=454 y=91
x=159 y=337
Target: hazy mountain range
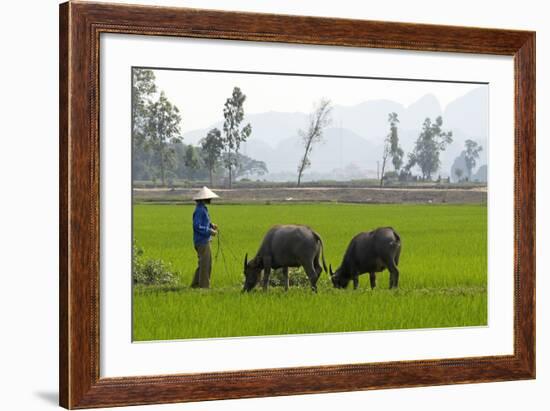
x=353 y=144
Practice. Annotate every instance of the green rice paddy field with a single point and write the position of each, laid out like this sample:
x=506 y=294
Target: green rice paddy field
x=443 y=266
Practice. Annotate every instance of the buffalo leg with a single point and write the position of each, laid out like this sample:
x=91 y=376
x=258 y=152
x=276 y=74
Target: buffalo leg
x=397 y=254
x=394 y=274
x=267 y=273
x=318 y=268
x=312 y=275
x=372 y=280
x=355 y=282
x=285 y=278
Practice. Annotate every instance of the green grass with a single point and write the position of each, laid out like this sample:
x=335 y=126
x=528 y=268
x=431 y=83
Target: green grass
x=443 y=267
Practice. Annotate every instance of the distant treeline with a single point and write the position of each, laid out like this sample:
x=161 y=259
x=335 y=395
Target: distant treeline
x=187 y=163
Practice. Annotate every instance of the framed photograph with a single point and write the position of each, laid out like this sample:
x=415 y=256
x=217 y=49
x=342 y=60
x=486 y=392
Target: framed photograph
x=259 y=205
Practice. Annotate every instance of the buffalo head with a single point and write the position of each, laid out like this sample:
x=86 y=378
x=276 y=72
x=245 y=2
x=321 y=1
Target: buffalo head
x=338 y=280
x=252 y=272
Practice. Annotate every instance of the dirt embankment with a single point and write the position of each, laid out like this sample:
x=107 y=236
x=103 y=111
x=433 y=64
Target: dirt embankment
x=319 y=194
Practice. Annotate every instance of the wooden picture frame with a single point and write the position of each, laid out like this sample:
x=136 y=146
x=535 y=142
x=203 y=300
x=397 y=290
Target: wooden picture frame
x=80 y=27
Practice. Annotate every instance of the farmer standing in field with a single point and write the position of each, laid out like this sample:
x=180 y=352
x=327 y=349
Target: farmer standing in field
x=203 y=230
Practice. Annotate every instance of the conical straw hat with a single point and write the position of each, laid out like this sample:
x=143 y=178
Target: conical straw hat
x=205 y=194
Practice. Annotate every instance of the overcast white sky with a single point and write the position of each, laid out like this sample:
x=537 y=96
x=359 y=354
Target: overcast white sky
x=200 y=96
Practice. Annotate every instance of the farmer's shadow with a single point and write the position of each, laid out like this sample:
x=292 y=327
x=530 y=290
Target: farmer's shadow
x=51 y=397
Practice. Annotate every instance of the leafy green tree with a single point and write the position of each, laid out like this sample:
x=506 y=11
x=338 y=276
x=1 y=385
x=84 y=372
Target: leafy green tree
x=391 y=147
x=248 y=166
x=430 y=143
x=319 y=119
x=234 y=135
x=212 y=147
x=143 y=89
x=192 y=159
x=471 y=154
x=162 y=128
x=396 y=152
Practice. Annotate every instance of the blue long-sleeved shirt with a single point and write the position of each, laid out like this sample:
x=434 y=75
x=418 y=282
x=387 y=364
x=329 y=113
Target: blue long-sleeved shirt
x=201 y=224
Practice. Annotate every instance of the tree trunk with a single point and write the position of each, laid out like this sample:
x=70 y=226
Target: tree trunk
x=162 y=169
x=301 y=171
x=303 y=163
x=383 y=167
x=211 y=179
x=230 y=177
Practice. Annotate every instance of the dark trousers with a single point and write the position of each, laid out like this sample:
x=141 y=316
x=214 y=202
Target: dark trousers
x=204 y=268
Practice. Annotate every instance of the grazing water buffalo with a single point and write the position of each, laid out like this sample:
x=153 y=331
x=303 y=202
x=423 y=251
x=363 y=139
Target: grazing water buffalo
x=369 y=252
x=286 y=246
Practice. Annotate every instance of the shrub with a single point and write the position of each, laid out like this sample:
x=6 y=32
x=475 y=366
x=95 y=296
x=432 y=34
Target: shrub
x=297 y=277
x=147 y=271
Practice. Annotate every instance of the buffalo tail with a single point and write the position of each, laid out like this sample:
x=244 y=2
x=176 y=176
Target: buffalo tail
x=322 y=251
